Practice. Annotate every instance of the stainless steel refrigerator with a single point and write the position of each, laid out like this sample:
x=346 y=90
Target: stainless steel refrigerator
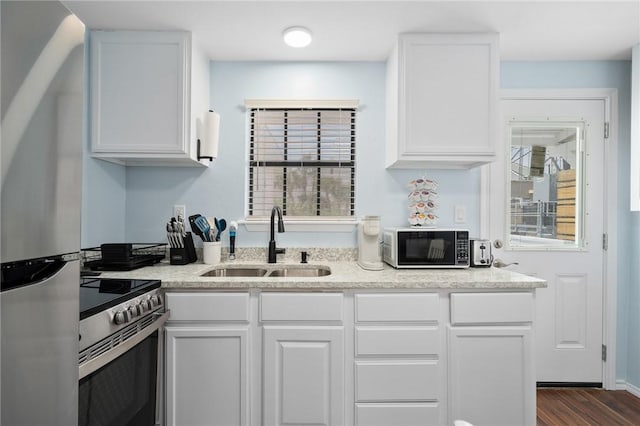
x=42 y=73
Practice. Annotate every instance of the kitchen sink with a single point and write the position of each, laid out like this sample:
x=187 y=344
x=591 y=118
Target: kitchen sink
x=277 y=271
x=236 y=272
x=292 y=271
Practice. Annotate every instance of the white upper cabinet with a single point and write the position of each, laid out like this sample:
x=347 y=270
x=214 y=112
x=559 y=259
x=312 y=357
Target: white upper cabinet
x=442 y=99
x=149 y=94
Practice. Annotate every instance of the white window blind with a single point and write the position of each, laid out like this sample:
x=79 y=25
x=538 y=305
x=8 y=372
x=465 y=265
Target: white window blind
x=303 y=160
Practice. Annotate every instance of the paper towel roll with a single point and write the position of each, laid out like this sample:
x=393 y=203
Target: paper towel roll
x=209 y=145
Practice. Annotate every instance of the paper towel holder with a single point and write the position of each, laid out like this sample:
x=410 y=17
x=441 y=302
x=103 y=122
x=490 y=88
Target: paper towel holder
x=210 y=137
x=201 y=157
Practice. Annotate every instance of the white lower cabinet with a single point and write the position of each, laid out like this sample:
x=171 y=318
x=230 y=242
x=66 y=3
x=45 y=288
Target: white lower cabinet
x=350 y=358
x=491 y=368
x=491 y=376
x=303 y=375
x=207 y=376
x=207 y=359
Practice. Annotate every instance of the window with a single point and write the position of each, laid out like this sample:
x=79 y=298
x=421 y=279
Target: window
x=547 y=185
x=303 y=160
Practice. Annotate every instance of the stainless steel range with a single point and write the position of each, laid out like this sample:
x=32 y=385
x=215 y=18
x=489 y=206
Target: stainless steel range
x=120 y=348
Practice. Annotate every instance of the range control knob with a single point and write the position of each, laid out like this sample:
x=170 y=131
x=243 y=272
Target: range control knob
x=146 y=305
x=122 y=317
x=141 y=308
x=155 y=300
x=134 y=310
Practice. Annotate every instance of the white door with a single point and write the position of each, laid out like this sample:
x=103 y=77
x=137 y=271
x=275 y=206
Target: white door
x=547 y=204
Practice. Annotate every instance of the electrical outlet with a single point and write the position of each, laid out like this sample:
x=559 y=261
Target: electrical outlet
x=180 y=210
x=460 y=214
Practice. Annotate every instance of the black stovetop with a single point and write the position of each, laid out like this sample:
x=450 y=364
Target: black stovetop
x=99 y=294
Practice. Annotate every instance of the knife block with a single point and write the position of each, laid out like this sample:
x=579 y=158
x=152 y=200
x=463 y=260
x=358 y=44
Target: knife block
x=183 y=255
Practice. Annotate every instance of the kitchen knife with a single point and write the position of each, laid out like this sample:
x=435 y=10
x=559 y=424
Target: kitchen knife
x=177 y=234
x=170 y=235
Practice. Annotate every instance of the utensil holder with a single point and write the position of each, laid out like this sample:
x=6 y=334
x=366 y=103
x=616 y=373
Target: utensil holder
x=183 y=255
x=211 y=252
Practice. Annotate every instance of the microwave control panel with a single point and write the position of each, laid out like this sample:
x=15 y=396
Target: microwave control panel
x=462 y=248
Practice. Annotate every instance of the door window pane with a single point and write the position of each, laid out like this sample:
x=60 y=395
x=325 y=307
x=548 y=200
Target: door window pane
x=546 y=185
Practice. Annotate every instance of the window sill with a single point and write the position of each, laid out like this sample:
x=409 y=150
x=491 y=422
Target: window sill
x=294 y=225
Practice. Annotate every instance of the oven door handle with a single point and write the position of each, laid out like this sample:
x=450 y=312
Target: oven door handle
x=105 y=358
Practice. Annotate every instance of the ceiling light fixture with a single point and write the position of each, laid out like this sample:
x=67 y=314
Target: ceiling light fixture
x=297 y=36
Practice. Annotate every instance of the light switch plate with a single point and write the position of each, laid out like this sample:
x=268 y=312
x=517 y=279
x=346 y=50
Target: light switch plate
x=460 y=214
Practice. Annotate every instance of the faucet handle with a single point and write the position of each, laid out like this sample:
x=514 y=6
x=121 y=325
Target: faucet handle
x=303 y=256
x=280 y=251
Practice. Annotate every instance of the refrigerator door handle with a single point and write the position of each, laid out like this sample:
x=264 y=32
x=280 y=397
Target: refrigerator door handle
x=29 y=272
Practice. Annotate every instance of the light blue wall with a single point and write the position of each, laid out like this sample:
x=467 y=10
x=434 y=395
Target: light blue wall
x=104 y=188
x=220 y=189
x=612 y=74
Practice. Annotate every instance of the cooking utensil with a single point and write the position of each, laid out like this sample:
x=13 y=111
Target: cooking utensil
x=194 y=227
x=212 y=228
x=221 y=226
x=203 y=225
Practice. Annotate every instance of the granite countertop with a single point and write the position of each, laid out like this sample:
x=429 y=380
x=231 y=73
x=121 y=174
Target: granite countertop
x=344 y=275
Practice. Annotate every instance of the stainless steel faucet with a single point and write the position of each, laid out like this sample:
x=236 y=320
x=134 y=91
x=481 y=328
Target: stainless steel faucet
x=272 y=241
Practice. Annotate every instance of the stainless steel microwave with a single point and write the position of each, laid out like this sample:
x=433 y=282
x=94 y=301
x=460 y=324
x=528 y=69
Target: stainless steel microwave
x=426 y=248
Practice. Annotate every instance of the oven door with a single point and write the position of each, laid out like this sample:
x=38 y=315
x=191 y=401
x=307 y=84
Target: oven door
x=424 y=249
x=120 y=387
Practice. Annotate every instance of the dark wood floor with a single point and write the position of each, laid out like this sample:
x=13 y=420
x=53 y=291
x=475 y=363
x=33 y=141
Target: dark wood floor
x=588 y=407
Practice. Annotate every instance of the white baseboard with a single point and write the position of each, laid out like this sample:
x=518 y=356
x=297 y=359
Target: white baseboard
x=632 y=389
x=635 y=390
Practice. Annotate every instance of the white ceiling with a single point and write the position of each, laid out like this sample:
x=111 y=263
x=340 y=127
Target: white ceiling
x=361 y=30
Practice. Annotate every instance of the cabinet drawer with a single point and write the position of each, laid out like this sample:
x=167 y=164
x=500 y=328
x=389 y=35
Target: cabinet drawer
x=397 y=381
x=498 y=308
x=406 y=414
x=301 y=306
x=397 y=307
x=397 y=341
x=208 y=306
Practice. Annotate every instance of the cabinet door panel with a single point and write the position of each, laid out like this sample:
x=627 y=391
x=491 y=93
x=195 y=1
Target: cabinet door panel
x=208 y=306
x=497 y=308
x=138 y=91
x=397 y=341
x=303 y=376
x=301 y=307
x=491 y=376
x=397 y=381
x=420 y=307
x=207 y=376
x=405 y=414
